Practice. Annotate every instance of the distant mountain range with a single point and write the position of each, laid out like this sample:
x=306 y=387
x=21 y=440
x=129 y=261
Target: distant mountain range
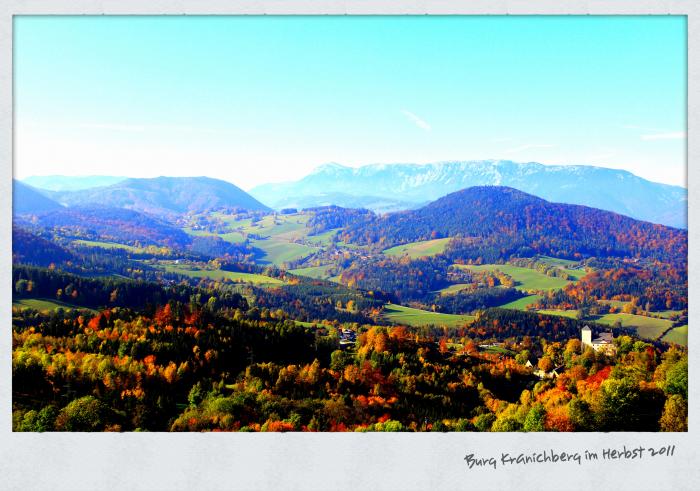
x=162 y=196
x=26 y=199
x=71 y=183
x=388 y=187
x=379 y=187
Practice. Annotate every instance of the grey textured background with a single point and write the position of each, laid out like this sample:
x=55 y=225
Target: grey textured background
x=334 y=461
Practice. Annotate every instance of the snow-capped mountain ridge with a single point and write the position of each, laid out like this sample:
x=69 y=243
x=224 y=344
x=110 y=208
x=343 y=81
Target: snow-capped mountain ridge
x=608 y=189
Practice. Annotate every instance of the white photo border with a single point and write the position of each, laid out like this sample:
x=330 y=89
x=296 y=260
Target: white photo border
x=330 y=461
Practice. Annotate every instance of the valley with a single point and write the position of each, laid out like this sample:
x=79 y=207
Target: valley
x=341 y=317
x=289 y=241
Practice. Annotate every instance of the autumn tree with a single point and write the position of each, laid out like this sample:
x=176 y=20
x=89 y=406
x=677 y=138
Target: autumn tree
x=580 y=414
x=675 y=415
x=535 y=419
x=84 y=414
x=545 y=364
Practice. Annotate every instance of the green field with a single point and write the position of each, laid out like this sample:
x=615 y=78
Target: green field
x=526 y=279
x=348 y=245
x=274 y=251
x=276 y=233
x=323 y=239
x=307 y=324
x=43 y=304
x=399 y=314
x=576 y=273
x=219 y=274
x=232 y=237
x=571 y=314
x=666 y=314
x=521 y=303
x=554 y=261
x=564 y=264
x=198 y=233
x=678 y=335
x=287 y=227
x=647 y=327
x=618 y=304
x=231 y=220
x=106 y=245
x=318 y=272
x=498 y=350
x=415 y=250
x=452 y=289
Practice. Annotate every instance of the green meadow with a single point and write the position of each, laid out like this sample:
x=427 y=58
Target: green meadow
x=554 y=261
x=318 y=272
x=618 y=304
x=521 y=303
x=452 y=289
x=667 y=314
x=647 y=327
x=232 y=237
x=678 y=335
x=322 y=239
x=415 y=250
x=43 y=304
x=278 y=252
x=398 y=314
x=288 y=227
x=276 y=236
x=218 y=274
x=571 y=314
x=498 y=350
x=526 y=279
x=106 y=245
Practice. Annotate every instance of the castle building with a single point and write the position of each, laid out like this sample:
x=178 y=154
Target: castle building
x=603 y=343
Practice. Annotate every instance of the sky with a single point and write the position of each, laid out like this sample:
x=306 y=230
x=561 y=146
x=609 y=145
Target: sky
x=267 y=99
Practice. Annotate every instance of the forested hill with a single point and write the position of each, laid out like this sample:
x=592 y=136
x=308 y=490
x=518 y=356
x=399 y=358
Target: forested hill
x=113 y=224
x=510 y=222
x=29 y=248
x=165 y=196
x=111 y=292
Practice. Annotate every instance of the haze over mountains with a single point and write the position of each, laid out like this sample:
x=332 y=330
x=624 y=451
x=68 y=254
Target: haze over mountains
x=26 y=199
x=71 y=183
x=393 y=185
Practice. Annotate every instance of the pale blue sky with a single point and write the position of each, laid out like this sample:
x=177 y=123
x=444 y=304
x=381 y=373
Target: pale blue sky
x=260 y=99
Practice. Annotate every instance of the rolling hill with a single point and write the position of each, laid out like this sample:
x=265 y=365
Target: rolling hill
x=500 y=220
x=164 y=196
x=114 y=224
x=608 y=189
x=29 y=248
x=27 y=200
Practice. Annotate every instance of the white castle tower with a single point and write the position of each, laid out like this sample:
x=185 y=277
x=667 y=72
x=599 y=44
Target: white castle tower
x=587 y=336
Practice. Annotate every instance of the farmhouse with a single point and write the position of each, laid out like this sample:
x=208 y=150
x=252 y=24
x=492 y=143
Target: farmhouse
x=603 y=343
x=554 y=373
